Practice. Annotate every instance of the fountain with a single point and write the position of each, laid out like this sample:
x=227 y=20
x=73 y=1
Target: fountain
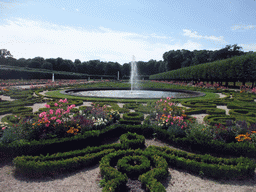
x=135 y=92
x=134 y=75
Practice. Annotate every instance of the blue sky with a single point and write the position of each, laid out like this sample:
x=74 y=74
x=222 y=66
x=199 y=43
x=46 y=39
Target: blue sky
x=115 y=30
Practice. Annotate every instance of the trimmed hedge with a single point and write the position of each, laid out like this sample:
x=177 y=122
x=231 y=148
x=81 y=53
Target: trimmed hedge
x=210 y=166
x=132 y=141
x=238 y=68
x=133 y=116
x=133 y=166
x=115 y=180
x=17 y=110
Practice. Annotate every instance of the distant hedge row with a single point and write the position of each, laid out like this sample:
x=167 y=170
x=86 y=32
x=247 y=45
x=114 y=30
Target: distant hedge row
x=239 y=68
x=6 y=73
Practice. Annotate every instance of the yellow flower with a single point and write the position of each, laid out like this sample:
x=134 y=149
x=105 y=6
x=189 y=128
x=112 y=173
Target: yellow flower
x=243 y=137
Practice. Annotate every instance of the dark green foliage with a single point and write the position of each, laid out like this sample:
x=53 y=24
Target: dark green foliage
x=132 y=140
x=133 y=166
x=129 y=122
x=239 y=68
x=211 y=166
x=17 y=110
x=133 y=116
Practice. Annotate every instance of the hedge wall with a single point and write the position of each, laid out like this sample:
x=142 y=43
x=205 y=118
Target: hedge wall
x=239 y=68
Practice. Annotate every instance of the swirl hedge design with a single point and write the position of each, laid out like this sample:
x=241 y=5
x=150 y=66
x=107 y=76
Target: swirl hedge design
x=133 y=166
x=110 y=155
x=132 y=140
x=116 y=180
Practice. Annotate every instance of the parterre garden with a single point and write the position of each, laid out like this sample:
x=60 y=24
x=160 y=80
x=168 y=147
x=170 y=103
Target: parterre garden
x=65 y=136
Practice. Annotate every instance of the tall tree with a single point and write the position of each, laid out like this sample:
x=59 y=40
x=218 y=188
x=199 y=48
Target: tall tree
x=5 y=53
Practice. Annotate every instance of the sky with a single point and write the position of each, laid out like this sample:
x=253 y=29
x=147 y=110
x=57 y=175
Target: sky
x=115 y=30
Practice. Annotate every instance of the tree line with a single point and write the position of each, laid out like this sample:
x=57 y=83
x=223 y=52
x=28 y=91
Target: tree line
x=172 y=60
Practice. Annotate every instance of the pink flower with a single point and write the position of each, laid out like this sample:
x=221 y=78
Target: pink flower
x=47 y=106
x=168 y=98
x=51 y=111
x=58 y=121
x=171 y=123
x=58 y=111
x=61 y=100
x=53 y=118
x=47 y=125
x=56 y=104
x=42 y=114
x=164 y=109
x=166 y=120
x=65 y=101
x=3 y=128
x=165 y=101
x=182 y=127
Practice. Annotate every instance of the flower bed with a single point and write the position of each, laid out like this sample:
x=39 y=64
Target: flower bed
x=60 y=130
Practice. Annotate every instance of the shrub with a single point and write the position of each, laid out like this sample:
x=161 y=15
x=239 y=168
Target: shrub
x=133 y=166
x=132 y=140
x=133 y=116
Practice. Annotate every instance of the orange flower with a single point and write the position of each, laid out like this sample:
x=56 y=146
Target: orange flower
x=243 y=137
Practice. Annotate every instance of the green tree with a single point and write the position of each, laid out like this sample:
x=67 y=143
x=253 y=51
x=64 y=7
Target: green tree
x=47 y=65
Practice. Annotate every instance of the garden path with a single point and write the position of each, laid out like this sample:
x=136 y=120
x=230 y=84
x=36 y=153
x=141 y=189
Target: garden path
x=6 y=98
x=200 y=117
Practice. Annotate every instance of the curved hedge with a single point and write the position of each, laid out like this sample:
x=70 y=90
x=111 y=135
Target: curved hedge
x=132 y=140
x=133 y=116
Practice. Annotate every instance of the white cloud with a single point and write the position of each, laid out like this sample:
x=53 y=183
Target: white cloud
x=29 y=39
x=158 y=37
x=236 y=27
x=248 y=47
x=77 y=9
x=194 y=34
x=63 y=8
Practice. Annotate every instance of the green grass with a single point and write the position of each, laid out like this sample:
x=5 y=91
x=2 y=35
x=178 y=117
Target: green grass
x=57 y=94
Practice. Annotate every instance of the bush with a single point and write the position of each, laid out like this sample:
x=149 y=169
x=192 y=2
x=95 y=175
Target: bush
x=133 y=116
x=132 y=140
x=133 y=166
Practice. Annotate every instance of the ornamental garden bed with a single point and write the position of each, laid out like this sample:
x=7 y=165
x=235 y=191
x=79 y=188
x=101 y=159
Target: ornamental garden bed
x=62 y=139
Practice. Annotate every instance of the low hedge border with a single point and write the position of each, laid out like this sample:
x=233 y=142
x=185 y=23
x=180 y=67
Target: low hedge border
x=17 y=110
x=92 y=138
x=116 y=180
x=239 y=112
x=72 y=160
x=34 y=166
x=132 y=105
x=133 y=166
x=202 y=104
x=132 y=140
x=133 y=116
x=210 y=166
x=218 y=119
x=129 y=122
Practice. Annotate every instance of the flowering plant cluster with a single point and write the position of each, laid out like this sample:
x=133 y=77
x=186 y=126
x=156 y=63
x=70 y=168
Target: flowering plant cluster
x=170 y=116
x=95 y=117
x=234 y=133
x=3 y=126
x=52 y=123
x=114 y=115
x=166 y=121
